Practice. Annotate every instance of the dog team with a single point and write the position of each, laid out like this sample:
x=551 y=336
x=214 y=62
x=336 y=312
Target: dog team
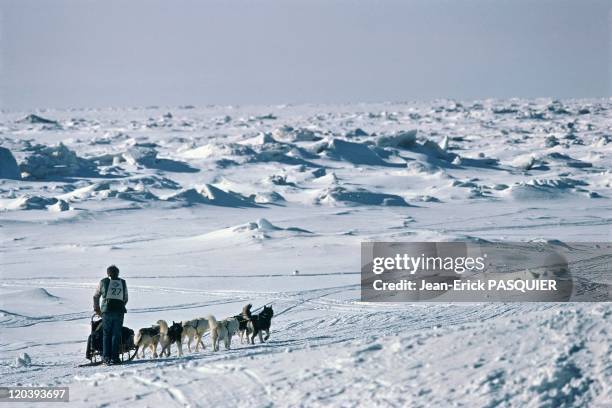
x=245 y=324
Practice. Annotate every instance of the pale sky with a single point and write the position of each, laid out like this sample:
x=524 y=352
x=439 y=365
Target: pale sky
x=84 y=53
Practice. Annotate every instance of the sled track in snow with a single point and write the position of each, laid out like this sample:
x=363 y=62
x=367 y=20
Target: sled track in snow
x=314 y=299
x=12 y=320
x=290 y=332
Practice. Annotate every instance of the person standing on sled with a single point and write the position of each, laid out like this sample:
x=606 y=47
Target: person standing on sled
x=113 y=292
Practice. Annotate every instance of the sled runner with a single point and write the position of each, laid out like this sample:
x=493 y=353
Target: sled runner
x=94 y=343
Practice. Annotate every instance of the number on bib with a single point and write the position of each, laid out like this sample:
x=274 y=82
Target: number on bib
x=115 y=290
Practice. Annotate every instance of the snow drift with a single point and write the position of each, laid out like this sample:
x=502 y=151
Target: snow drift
x=359 y=196
x=211 y=195
x=29 y=202
x=48 y=162
x=402 y=139
x=355 y=153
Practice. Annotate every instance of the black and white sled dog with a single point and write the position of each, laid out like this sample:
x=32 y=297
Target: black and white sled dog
x=169 y=336
x=195 y=329
x=223 y=330
x=147 y=337
x=259 y=323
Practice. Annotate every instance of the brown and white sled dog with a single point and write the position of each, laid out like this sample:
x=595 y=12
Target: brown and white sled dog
x=147 y=337
x=223 y=330
x=195 y=329
x=169 y=336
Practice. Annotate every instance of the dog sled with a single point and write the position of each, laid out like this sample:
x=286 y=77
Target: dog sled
x=94 y=343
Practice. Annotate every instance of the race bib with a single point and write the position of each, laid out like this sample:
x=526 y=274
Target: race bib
x=115 y=290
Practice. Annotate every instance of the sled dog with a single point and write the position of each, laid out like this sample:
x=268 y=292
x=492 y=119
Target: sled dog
x=169 y=336
x=243 y=319
x=195 y=329
x=147 y=337
x=223 y=330
x=258 y=323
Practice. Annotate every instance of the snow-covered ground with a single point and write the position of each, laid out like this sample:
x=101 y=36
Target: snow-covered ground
x=207 y=209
